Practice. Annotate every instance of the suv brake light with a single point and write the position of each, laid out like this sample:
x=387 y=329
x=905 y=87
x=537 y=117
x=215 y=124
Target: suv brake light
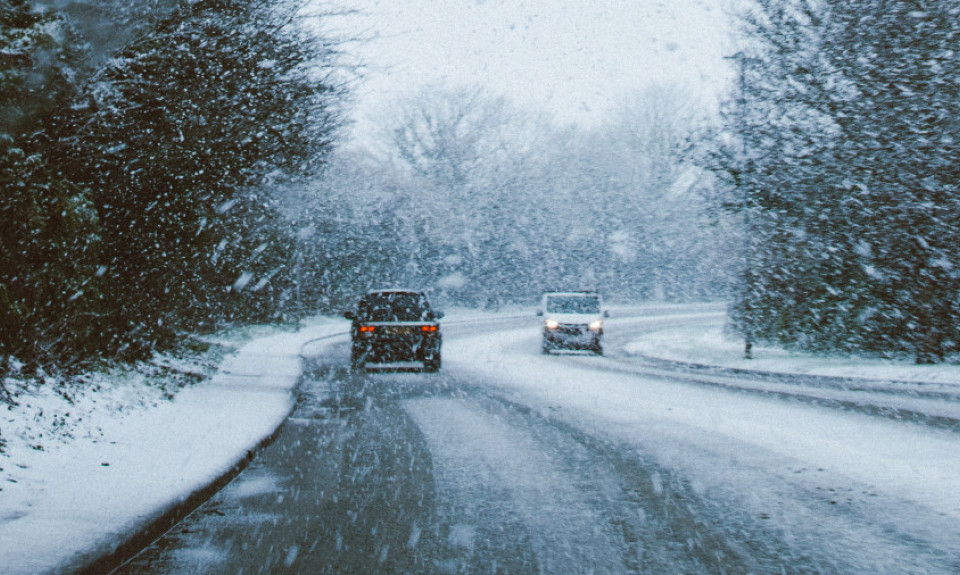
x=429 y=328
x=367 y=329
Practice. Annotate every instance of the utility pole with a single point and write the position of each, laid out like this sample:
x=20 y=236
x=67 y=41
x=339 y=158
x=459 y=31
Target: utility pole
x=742 y=60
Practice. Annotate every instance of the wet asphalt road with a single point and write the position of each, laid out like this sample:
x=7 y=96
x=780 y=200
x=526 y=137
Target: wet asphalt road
x=408 y=472
x=411 y=472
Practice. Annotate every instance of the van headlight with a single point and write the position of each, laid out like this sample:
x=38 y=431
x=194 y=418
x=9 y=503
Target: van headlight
x=596 y=325
x=551 y=324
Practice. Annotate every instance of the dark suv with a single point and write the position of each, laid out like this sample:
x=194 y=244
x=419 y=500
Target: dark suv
x=395 y=325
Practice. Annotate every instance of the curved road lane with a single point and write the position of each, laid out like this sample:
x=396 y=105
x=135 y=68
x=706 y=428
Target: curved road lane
x=457 y=472
x=393 y=472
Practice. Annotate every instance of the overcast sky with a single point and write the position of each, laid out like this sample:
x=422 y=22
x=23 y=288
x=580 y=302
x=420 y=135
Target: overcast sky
x=574 y=59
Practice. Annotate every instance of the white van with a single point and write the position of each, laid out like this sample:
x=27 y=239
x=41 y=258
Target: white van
x=572 y=320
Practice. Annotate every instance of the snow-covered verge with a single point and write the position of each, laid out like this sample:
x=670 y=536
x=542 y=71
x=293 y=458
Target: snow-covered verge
x=86 y=467
x=853 y=491
x=708 y=342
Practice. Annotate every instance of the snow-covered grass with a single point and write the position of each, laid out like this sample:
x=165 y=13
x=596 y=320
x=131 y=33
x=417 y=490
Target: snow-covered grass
x=49 y=408
x=710 y=343
x=89 y=462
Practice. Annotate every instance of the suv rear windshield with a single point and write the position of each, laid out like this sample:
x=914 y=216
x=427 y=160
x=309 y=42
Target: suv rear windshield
x=573 y=304
x=394 y=307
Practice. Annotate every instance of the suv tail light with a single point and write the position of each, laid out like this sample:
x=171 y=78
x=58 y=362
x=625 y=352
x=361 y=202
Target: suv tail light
x=367 y=329
x=429 y=328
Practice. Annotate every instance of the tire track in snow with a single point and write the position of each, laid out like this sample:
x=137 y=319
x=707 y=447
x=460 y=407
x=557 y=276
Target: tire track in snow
x=476 y=453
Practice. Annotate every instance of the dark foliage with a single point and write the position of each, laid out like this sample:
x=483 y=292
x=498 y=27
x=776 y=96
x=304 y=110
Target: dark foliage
x=849 y=172
x=48 y=229
x=39 y=53
x=178 y=136
x=161 y=215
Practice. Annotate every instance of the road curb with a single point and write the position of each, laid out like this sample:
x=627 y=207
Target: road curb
x=107 y=557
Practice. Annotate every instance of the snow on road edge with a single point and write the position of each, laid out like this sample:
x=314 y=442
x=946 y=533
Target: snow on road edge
x=85 y=497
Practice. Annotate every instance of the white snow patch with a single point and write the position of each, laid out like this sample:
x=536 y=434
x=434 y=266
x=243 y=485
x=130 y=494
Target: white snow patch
x=254 y=487
x=708 y=343
x=135 y=454
x=242 y=281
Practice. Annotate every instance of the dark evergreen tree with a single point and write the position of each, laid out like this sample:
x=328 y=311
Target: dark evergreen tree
x=848 y=170
x=182 y=137
x=48 y=228
x=48 y=270
x=39 y=59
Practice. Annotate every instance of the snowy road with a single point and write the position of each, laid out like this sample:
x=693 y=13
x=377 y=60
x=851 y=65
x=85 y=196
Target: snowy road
x=513 y=462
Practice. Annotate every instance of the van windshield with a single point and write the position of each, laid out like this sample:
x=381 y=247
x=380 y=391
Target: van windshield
x=573 y=304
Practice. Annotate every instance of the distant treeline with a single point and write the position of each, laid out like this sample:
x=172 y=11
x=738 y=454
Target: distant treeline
x=487 y=203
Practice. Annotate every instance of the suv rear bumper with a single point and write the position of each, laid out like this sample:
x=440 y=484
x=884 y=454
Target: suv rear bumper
x=394 y=349
x=392 y=343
